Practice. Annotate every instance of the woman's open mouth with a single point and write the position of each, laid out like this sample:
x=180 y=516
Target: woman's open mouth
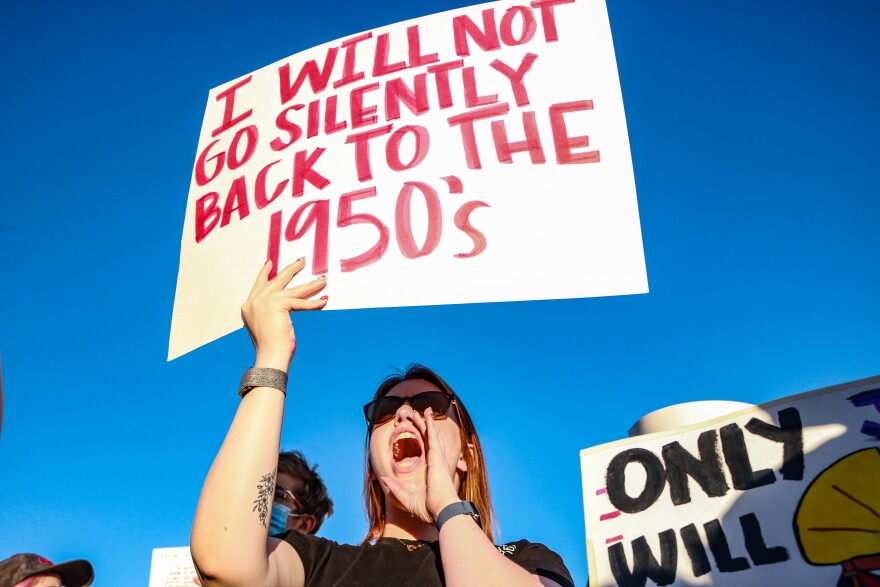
x=406 y=451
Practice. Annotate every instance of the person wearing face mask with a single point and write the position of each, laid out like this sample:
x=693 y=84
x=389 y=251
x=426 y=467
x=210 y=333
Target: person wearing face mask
x=426 y=486
x=301 y=501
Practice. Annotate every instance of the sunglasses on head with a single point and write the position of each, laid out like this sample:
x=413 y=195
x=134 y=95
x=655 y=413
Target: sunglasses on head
x=383 y=409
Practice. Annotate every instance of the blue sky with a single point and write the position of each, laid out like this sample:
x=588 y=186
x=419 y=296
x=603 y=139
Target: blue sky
x=754 y=138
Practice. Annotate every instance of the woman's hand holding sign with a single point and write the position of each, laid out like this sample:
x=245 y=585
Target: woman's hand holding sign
x=266 y=313
x=229 y=541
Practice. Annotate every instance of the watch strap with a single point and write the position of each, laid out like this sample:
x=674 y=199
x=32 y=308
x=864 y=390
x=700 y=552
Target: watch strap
x=458 y=508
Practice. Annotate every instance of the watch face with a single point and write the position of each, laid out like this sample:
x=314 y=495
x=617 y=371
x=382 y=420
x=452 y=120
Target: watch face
x=470 y=509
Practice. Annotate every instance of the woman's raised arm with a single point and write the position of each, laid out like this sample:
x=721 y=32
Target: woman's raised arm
x=229 y=537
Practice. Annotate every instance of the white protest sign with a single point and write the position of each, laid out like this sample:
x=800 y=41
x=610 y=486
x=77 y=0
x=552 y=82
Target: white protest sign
x=476 y=155
x=172 y=567
x=785 y=493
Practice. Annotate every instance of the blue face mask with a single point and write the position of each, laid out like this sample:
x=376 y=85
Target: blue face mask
x=280 y=513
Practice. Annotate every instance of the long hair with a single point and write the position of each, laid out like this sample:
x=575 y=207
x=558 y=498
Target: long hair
x=474 y=485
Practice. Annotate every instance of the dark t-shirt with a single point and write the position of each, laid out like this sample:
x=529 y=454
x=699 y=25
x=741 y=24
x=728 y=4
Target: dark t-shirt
x=388 y=562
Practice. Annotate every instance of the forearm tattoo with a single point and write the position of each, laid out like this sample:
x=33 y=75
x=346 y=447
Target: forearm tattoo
x=265 y=490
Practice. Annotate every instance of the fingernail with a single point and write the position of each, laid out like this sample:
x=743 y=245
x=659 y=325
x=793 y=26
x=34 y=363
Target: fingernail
x=301 y=259
x=324 y=297
x=323 y=277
